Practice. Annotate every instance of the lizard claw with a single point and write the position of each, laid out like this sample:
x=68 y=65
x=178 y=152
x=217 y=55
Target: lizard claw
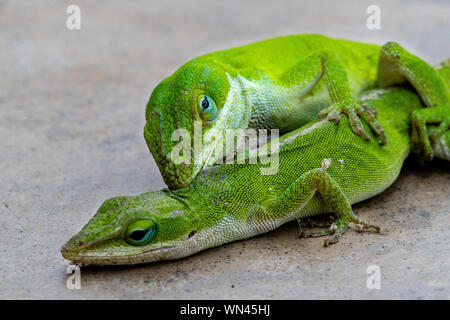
x=355 y=109
x=422 y=137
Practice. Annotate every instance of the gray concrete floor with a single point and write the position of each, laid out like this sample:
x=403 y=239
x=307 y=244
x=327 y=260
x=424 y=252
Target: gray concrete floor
x=71 y=119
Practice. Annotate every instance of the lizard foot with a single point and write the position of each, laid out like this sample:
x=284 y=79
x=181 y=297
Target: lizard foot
x=355 y=109
x=337 y=229
x=425 y=133
x=322 y=221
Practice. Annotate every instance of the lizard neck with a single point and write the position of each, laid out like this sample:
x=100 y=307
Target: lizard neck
x=274 y=106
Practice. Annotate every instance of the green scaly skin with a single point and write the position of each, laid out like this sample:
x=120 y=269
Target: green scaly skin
x=231 y=202
x=281 y=83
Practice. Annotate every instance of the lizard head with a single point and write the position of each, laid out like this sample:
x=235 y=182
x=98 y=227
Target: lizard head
x=188 y=115
x=145 y=228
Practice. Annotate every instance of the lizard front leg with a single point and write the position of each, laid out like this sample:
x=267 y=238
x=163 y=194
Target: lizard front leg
x=305 y=187
x=325 y=64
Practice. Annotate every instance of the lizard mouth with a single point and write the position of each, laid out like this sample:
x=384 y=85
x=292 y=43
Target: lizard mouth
x=100 y=257
x=177 y=181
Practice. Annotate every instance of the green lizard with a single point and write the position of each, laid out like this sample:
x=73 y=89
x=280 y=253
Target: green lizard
x=323 y=167
x=279 y=83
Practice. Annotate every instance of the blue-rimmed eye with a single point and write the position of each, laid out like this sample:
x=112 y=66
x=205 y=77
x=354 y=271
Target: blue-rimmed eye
x=141 y=232
x=207 y=107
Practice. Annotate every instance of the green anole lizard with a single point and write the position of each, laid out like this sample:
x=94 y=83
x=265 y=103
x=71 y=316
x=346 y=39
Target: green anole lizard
x=323 y=167
x=280 y=83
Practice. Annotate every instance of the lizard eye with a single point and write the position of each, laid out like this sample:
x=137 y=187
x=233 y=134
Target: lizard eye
x=207 y=107
x=141 y=232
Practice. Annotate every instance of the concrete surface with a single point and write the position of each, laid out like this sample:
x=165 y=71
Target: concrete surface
x=71 y=118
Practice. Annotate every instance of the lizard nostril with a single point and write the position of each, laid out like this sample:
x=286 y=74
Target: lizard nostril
x=191 y=234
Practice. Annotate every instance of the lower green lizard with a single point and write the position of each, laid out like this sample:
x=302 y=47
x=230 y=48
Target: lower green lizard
x=323 y=167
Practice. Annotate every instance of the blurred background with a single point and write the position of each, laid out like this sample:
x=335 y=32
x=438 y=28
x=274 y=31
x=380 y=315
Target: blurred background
x=71 y=118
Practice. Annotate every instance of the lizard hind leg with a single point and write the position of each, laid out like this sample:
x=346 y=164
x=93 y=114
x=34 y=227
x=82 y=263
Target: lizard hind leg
x=424 y=137
x=336 y=199
x=396 y=65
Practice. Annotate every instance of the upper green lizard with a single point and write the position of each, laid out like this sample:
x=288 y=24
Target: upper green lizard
x=323 y=167
x=279 y=83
